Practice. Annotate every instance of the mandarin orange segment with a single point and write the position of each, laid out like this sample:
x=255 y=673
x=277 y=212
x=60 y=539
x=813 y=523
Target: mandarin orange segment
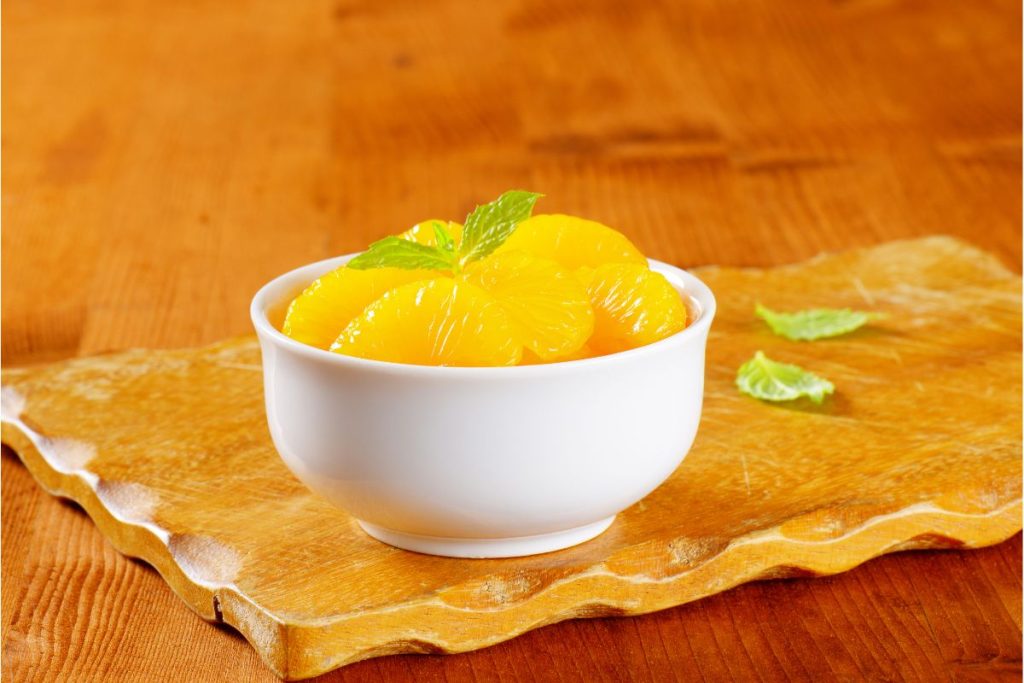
x=530 y=358
x=548 y=305
x=322 y=310
x=436 y=322
x=572 y=242
x=423 y=232
x=633 y=306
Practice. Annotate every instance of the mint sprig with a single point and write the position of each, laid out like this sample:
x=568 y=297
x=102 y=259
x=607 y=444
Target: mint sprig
x=817 y=323
x=485 y=229
x=489 y=225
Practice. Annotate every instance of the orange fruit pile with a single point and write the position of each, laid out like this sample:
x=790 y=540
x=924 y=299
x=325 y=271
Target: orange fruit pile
x=559 y=288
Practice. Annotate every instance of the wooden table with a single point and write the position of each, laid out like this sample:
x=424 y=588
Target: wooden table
x=162 y=160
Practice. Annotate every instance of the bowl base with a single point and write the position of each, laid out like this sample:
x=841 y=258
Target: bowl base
x=516 y=546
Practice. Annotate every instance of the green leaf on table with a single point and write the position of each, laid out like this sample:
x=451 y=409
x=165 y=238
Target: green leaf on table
x=395 y=252
x=769 y=380
x=489 y=225
x=817 y=323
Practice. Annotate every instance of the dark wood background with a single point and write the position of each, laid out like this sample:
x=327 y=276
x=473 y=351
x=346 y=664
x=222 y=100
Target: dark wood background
x=163 y=159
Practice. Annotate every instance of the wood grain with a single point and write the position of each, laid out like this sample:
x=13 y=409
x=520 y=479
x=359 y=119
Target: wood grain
x=164 y=159
x=169 y=453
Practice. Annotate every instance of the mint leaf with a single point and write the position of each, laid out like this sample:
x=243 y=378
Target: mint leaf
x=488 y=226
x=485 y=230
x=769 y=380
x=817 y=323
x=395 y=252
x=444 y=239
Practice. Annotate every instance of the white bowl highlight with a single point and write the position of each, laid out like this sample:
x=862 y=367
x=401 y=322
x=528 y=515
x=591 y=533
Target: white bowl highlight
x=482 y=462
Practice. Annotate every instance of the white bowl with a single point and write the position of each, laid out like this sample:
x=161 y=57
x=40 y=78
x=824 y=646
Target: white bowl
x=482 y=462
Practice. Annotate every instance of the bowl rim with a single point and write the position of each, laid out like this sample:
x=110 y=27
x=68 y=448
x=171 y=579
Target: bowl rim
x=684 y=282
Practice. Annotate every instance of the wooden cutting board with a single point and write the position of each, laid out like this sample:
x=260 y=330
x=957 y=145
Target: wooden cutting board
x=168 y=452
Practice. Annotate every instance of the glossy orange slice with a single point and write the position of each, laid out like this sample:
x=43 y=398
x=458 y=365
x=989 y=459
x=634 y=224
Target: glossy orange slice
x=436 y=322
x=549 y=306
x=572 y=242
x=319 y=314
x=633 y=306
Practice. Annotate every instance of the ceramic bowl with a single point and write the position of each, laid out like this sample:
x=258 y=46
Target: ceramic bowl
x=482 y=462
